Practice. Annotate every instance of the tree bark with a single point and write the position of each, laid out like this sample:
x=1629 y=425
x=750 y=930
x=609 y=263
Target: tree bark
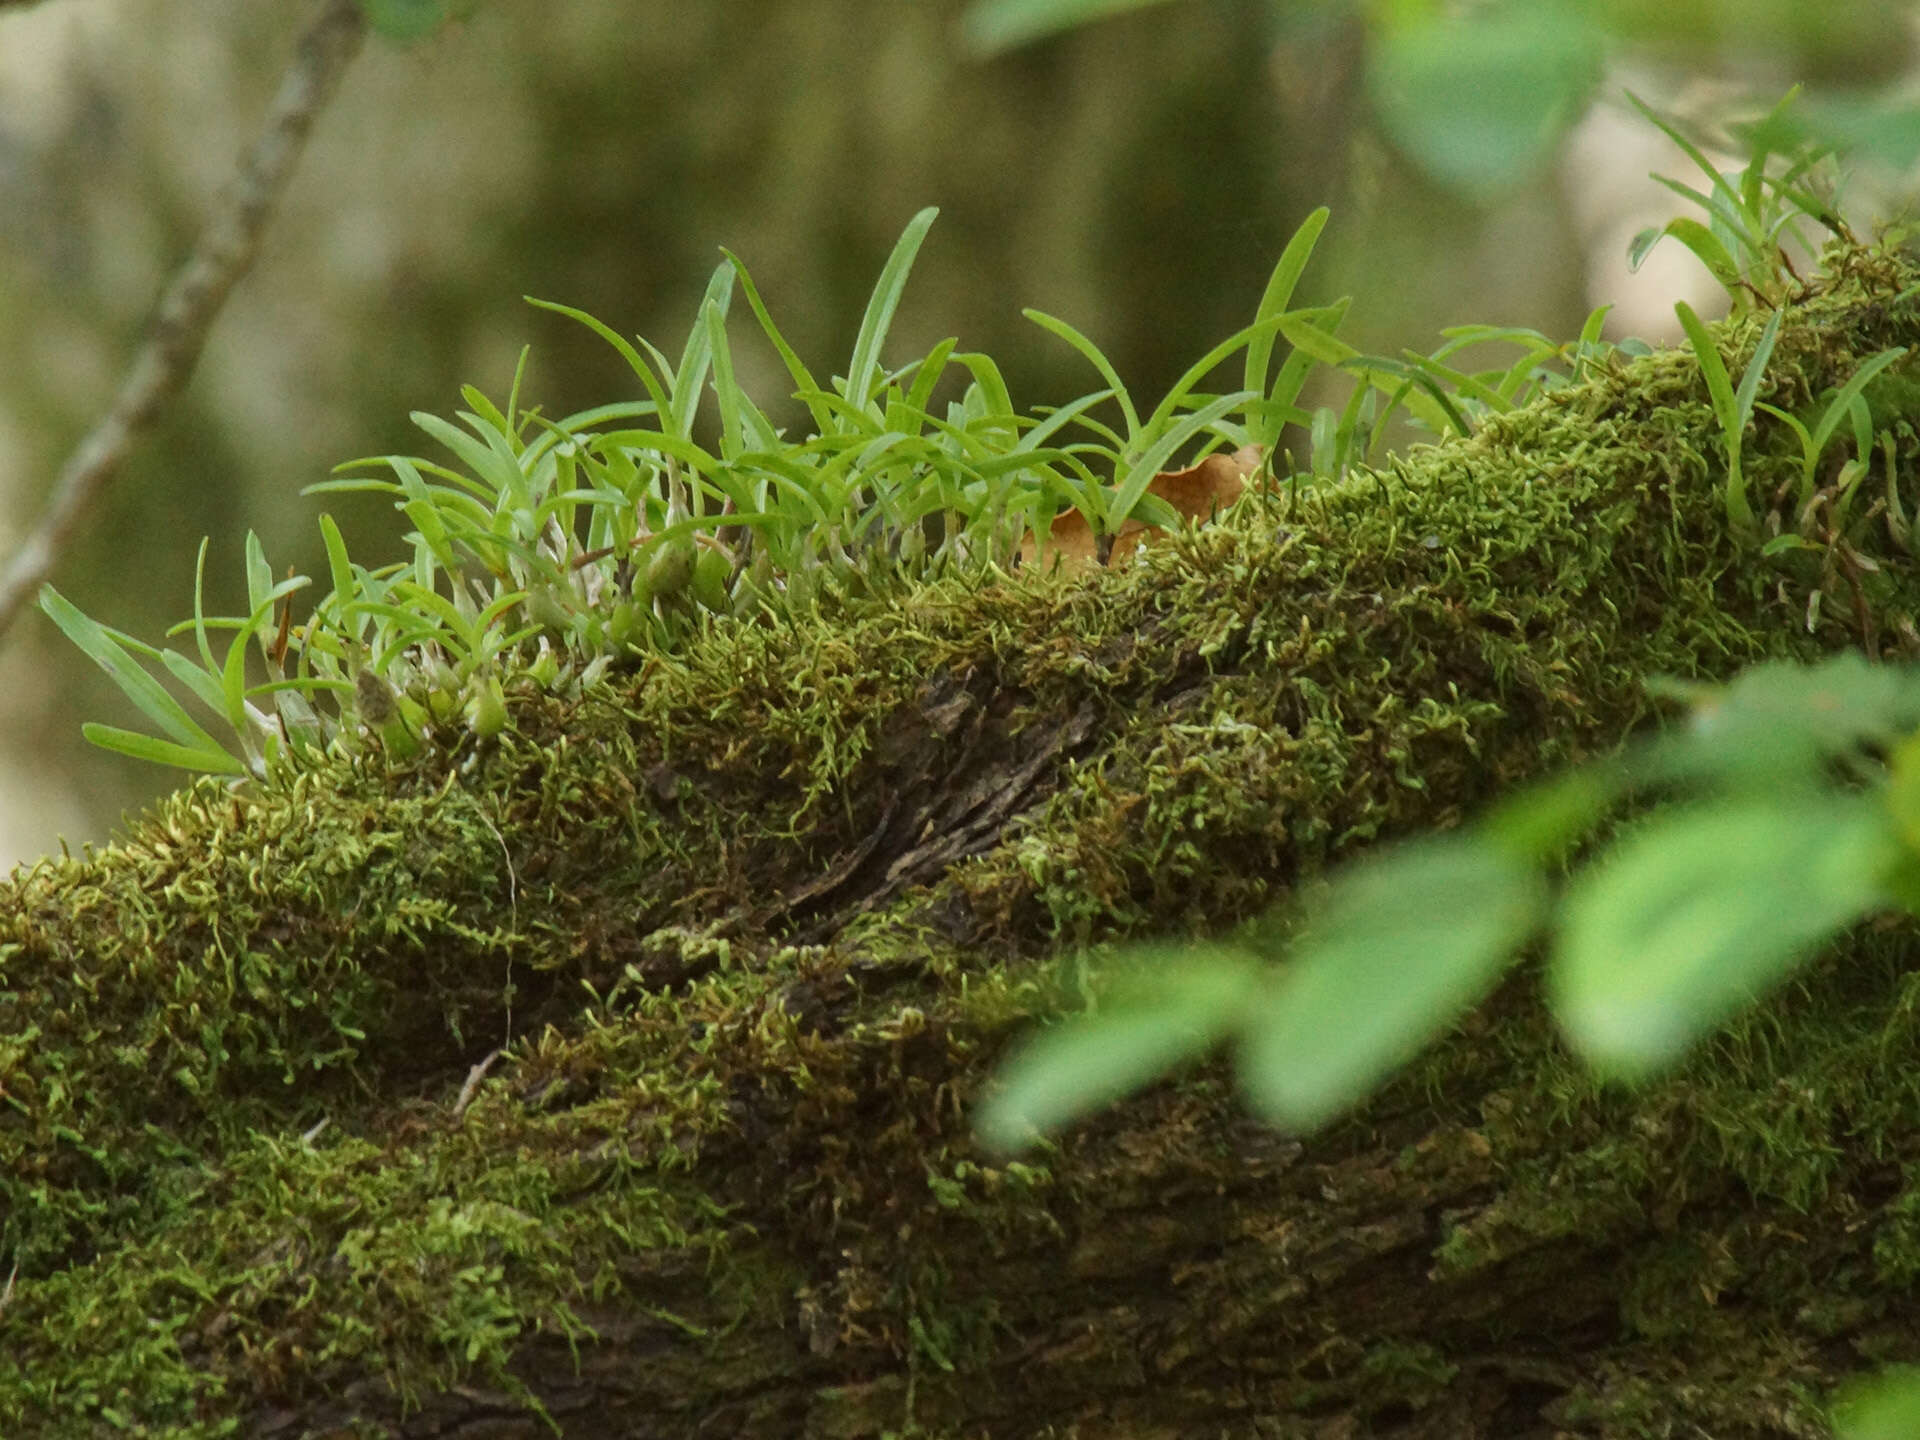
x=755 y=922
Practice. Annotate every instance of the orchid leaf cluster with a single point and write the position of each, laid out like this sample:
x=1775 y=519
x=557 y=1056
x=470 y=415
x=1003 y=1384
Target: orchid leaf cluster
x=546 y=551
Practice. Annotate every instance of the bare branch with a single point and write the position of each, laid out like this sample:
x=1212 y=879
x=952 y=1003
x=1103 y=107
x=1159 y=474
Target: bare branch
x=224 y=252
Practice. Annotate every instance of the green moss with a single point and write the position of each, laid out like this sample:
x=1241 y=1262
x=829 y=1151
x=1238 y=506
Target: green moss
x=695 y=1102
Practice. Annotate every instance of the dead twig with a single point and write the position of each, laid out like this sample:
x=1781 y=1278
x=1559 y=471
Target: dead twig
x=474 y=1076
x=224 y=253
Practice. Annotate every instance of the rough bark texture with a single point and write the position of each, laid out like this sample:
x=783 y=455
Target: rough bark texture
x=756 y=921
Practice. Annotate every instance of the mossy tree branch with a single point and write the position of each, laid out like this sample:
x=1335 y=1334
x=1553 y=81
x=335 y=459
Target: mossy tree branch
x=759 y=918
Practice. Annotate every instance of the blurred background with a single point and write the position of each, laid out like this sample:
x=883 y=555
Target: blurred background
x=1137 y=177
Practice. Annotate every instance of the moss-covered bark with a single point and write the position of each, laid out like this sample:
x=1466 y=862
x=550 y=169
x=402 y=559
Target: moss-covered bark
x=754 y=921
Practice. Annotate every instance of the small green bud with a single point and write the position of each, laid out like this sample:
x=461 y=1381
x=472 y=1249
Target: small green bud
x=624 y=621
x=486 y=706
x=670 y=568
x=712 y=569
x=390 y=716
x=545 y=669
x=546 y=610
x=443 y=689
x=374 y=699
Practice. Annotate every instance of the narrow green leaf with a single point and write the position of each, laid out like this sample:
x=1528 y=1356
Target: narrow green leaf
x=233 y=680
x=210 y=758
x=1756 y=370
x=200 y=610
x=1095 y=357
x=690 y=376
x=337 y=563
x=1278 y=294
x=802 y=377
x=259 y=572
x=1143 y=470
x=878 y=319
x=1323 y=346
x=1693 y=151
x=1182 y=388
x=1714 y=371
x=726 y=388
x=991 y=384
x=642 y=370
x=201 y=681
x=1704 y=244
x=927 y=374
x=490 y=415
x=1842 y=402
x=102 y=647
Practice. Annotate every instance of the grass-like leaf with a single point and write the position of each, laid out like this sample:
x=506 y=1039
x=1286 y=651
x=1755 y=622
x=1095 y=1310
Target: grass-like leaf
x=105 y=648
x=1274 y=301
x=881 y=305
x=1733 y=409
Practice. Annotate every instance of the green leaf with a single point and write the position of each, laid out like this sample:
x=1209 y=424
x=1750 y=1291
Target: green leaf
x=1311 y=339
x=1182 y=389
x=337 y=563
x=1696 y=237
x=990 y=26
x=1543 y=821
x=1139 y=475
x=1842 y=402
x=690 y=378
x=1173 y=1005
x=1702 y=910
x=1095 y=357
x=1479 y=101
x=404 y=19
x=802 y=377
x=211 y=759
x=104 y=648
x=864 y=367
x=1401 y=946
x=202 y=682
x=726 y=388
x=259 y=572
x=199 y=609
x=1276 y=297
x=1732 y=424
x=642 y=370
x=1756 y=370
x=500 y=473
x=1779 y=725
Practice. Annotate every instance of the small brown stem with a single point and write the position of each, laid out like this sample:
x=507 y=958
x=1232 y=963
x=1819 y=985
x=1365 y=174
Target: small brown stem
x=224 y=252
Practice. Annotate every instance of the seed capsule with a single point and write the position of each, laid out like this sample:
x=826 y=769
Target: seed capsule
x=670 y=568
x=712 y=569
x=486 y=707
x=374 y=699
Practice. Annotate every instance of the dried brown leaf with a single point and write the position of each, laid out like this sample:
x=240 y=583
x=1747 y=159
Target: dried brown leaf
x=1199 y=493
